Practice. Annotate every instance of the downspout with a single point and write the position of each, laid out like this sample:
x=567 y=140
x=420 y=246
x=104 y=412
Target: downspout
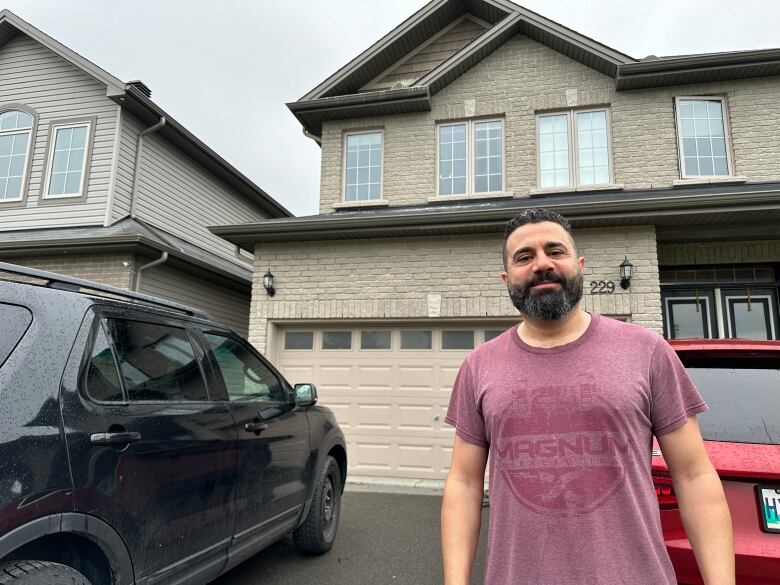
x=137 y=168
x=314 y=137
x=137 y=278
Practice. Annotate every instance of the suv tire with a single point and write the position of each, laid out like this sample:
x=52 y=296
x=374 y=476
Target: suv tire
x=40 y=573
x=318 y=531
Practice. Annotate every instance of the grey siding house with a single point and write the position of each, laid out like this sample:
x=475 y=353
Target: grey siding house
x=465 y=114
x=96 y=181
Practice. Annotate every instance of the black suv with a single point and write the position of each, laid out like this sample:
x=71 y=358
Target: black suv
x=143 y=442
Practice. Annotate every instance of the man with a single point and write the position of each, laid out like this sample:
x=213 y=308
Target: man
x=565 y=406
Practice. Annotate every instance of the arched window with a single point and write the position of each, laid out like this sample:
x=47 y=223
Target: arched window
x=15 y=131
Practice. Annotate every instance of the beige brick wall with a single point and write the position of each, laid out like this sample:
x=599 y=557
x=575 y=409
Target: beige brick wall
x=107 y=269
x=719 y=253
x=391 y=278
x=523 y=77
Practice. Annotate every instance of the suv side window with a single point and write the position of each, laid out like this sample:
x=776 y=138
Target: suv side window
x=15 y=321
x=102 y=376
x=245 y=376
x=156 y=362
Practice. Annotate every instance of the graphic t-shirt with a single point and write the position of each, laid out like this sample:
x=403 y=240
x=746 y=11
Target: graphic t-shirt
x=570 y=436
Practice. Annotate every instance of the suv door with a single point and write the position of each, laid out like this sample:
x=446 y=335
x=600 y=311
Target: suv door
x=273 y=443
x=150 y=454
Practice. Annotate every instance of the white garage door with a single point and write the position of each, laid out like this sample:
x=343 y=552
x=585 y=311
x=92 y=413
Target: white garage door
x=389 y=388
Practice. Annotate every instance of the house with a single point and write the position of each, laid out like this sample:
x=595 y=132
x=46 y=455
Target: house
x=98 y=182
x=465 y=114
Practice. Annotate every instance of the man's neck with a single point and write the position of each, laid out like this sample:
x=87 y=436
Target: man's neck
x=547 y=334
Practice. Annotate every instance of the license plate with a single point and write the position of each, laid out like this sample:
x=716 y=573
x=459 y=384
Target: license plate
x=769 y=497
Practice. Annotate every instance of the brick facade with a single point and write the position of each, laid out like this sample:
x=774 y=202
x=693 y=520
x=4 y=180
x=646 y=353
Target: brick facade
x=390 y=279
x=111 y=269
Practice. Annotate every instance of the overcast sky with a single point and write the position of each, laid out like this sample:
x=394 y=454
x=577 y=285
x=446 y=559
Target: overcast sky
x=225 y=68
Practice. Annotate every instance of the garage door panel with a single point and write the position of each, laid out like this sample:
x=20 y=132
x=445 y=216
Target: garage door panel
x=391 y=403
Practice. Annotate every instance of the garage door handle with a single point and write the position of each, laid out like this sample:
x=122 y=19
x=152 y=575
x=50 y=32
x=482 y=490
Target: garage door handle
x=255 y=427
x=114 y=438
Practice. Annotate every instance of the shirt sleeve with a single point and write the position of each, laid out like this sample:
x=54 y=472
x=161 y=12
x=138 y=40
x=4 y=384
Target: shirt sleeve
x=463 y=412
x=673 y=393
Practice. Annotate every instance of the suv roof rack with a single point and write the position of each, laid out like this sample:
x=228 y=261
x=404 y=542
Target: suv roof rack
x=68 y=283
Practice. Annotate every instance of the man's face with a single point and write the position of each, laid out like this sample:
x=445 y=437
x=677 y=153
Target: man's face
x=543 y=274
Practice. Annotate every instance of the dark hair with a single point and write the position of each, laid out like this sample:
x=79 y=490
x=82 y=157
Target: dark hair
x=534 y=215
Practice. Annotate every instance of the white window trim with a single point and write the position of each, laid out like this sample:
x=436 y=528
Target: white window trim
x=381 y=198
x=574 y=162
x=25 y=171
x=471 y=178
x=50 y=160
x=726 y=135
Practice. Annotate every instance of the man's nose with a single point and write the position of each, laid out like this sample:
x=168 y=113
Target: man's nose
x=542 y=263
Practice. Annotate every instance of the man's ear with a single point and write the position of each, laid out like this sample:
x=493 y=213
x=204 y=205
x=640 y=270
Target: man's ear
x=581 y=262
x=504 y=277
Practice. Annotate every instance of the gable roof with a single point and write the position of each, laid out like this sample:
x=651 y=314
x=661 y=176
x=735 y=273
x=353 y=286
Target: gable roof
x=130 y=97
x=506 y=19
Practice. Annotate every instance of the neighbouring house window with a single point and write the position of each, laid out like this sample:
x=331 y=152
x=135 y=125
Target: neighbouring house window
x=573 y=149
x=703 y=140
x=67 y=160
x=471 y=157
x=363 y=166
x=15 y=131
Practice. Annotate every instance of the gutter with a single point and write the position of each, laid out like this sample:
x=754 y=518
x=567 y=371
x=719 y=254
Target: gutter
x=136 y=169
x=153 y=263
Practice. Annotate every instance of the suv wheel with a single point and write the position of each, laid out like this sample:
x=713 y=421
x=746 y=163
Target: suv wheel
x=317 y=533
x=40 y=573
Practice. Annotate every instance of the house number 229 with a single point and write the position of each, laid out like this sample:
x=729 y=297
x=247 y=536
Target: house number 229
x=602 y=287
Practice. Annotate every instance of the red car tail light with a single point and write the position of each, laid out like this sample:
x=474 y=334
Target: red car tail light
x=664 y=491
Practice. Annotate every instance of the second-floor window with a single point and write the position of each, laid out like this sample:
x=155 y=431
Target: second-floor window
x=15 y=130
x=363 y=166
x=471 y=157
x=573 y=149
x=67 y=160
x=703 y=137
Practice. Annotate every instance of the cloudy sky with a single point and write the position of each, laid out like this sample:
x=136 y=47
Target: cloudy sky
x=225 y=68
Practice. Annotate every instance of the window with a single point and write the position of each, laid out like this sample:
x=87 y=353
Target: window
x=245 y=376
x=573 y=149
x=702 y=136
x=363 y=166
x=67 y=160
x=15 y=322
x=457 y=339
x=299 y=340
x=102 y=376
x=471 y=157
x=337 y=340
x=375 y=339
x=416 y=339
x=15 y=131
x=156 y=362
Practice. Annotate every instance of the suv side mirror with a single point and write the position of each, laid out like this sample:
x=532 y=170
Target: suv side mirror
x=305 y=395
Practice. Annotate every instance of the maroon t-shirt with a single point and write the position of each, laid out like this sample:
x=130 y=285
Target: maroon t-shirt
x=570 y=436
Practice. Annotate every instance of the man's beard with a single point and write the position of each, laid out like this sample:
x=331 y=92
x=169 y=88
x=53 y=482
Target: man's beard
x=548 y=304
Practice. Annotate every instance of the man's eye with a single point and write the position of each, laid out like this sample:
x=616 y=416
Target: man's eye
x=556 y=253
x=522 y=259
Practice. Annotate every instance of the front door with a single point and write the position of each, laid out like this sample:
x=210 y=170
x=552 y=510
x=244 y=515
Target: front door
x=150 y=453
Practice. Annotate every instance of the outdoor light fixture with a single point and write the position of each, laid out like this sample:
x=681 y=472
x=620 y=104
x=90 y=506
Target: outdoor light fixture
x=268 y=283
x=626 y=270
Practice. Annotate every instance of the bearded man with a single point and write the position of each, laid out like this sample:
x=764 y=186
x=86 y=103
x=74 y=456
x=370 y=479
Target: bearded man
x=564 y=407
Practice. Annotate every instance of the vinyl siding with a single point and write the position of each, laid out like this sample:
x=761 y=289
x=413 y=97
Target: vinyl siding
x=225 y=305
x=176 y=195
x=128 y=142
x=32 y=75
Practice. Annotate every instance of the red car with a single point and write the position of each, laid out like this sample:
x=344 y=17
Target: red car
x=740 y=380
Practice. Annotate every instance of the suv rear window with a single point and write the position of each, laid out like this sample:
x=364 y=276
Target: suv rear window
x=743 y=403
x=15 y=321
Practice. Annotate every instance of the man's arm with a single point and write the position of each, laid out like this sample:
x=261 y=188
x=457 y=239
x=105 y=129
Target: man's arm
x=703 y=509
x=461 y=511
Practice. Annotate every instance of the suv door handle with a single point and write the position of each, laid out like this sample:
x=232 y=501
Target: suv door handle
x=255 y=427
x=114 y=438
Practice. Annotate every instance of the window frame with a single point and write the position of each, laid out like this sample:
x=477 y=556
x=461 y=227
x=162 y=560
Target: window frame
x=574 y=157
x=471 y=178
x=347 y=134
x=726 y=135
x=33 y=130
x=54 y=127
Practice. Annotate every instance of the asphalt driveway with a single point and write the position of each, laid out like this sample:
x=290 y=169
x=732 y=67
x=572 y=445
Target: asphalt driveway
x=384 y=539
